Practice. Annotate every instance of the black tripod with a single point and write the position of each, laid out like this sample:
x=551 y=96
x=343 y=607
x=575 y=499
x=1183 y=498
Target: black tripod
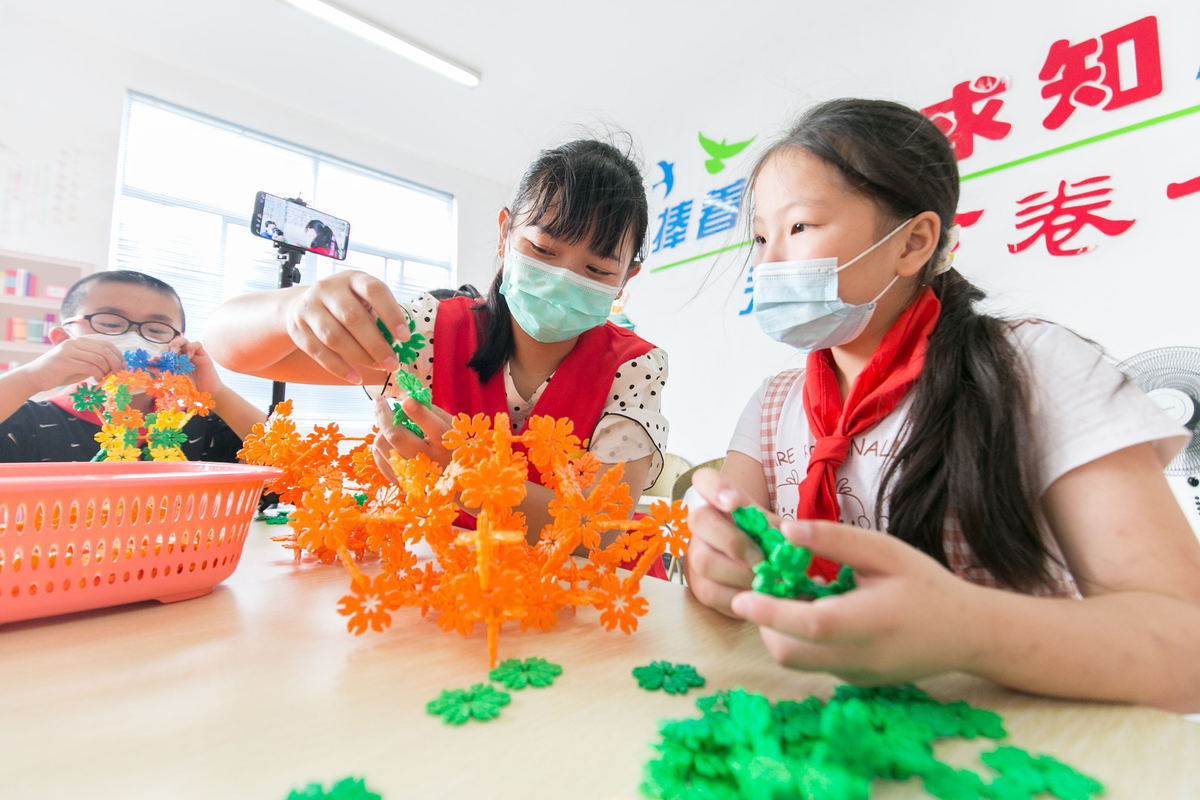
x=289 y=274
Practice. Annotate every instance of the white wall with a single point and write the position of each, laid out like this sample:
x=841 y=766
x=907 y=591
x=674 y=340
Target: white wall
x=60 y=129
x=1134 y=292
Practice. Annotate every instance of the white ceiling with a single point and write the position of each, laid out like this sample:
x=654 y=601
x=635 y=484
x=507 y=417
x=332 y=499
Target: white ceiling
x=551 y=66
x=548 y=66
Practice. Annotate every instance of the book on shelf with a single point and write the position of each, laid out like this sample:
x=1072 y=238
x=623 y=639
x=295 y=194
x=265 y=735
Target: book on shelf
x=19 y=283
x=33 y=330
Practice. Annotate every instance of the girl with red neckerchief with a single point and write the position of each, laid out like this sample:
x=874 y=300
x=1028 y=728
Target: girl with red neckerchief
x=1029 y=536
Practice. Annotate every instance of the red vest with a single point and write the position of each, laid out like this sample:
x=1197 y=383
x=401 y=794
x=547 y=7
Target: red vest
x=577 y=391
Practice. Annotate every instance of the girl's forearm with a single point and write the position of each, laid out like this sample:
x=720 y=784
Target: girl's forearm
x=1134 y=647
x=248 y=333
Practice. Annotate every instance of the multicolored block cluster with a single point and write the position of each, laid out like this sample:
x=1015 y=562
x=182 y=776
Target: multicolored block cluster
x=126 y=434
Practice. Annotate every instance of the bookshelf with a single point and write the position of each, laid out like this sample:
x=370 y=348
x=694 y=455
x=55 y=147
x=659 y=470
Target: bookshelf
x=48 y=271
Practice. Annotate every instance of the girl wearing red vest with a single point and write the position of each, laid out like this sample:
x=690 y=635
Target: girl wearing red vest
x=538 y=344
x=1031 y=537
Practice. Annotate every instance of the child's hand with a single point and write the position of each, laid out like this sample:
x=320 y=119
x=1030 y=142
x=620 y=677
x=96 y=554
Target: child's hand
x=720 y=555
x=334 y=323
x=71 y=361
x=908 y=618
x=205 y=375
x=396 y=438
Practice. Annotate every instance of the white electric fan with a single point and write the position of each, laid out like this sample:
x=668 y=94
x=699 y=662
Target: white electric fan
x=1171 y=378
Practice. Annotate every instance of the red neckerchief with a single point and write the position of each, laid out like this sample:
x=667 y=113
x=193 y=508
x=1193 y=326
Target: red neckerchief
x=885 y=380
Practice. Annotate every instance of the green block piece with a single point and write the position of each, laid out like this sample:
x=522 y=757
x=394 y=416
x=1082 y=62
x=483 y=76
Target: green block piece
x=744 y=746
x=345 y=789
x=456 y=706
x=671 y=678
x=516 y=674
x=415 y=389
x=406 y=351
x=88 y=398
x=121 y=397
x=784 y=570
x=383 y=328
x=399 y=417
x=170 y=437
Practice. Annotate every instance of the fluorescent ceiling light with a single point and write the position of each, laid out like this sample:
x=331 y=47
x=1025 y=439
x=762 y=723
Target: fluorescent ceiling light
x=387 y=40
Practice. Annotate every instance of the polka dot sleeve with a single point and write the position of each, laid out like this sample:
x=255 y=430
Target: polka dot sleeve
x=631 y=425
x=422 y=311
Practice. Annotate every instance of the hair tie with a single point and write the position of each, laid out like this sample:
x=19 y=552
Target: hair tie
x=946 y=259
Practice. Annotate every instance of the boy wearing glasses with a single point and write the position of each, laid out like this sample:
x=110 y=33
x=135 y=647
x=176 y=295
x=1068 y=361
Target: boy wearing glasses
x=103 y=315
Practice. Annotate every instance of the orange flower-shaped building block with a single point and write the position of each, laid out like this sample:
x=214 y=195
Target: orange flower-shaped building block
x=370 y=602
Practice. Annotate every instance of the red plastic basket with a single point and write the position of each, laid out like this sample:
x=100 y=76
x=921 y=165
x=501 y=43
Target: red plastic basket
x=75 y=536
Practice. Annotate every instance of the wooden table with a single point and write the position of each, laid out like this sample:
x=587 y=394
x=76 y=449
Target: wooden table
x=258 y=688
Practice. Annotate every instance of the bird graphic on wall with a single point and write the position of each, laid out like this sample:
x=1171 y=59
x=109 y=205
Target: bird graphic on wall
x=720 y=151
x=668 y=179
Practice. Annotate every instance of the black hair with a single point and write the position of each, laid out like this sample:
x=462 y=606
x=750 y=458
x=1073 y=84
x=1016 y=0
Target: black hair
x=466 y=290
x=585 y=188
x=966 y=443
x=78 y=291
x=324 y=237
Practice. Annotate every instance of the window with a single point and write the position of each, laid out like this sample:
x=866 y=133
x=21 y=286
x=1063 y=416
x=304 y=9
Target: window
x=183 y=209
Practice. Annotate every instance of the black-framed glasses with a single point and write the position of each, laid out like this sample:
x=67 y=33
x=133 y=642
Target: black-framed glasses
x=109 y=323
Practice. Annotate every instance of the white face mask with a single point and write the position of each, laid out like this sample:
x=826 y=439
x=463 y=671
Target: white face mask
x=129 y=340
x=797 y=302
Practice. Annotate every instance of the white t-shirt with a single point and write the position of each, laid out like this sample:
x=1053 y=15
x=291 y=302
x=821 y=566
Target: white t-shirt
x=1082 y=409
x=630 y=425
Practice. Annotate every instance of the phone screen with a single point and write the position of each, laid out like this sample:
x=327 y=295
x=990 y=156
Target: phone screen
x=281 y=220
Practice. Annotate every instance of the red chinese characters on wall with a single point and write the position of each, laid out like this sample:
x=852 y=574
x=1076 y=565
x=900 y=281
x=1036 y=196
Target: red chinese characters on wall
x=1064 y=215
x=1092 y=72
x=1183 y=188
x=962 y=118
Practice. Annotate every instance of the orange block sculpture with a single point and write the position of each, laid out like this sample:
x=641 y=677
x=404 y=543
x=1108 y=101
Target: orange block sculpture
x=501 y=572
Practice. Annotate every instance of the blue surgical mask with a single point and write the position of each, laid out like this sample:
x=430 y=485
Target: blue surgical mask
x=797 y=302
x=553 y=304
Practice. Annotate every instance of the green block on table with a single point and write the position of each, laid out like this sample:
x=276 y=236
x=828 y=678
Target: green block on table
x=456 y=706
x=744 y=746
x=345 y=789
x=671 y=678
x=514 y=674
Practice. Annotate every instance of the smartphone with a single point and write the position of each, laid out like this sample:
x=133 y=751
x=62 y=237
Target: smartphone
x=283 y=220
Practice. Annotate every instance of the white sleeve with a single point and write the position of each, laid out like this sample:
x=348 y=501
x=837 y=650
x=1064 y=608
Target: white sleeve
x=631 y=425
x=1083 y=408
x=423 y=312
x=747 y=436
